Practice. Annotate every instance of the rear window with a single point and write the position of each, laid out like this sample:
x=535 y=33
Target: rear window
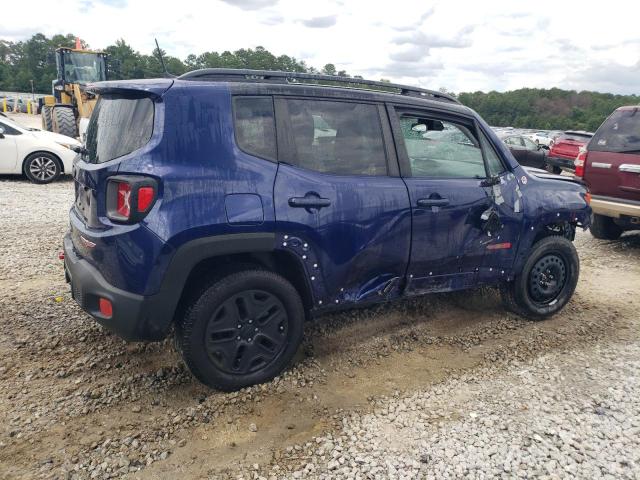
x=118 y=126
x=619 y=133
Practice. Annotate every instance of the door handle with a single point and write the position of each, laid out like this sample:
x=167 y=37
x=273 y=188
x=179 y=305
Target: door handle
x=433 y=202
x=309 y=202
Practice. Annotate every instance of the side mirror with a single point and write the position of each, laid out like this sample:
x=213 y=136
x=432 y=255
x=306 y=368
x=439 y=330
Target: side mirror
x=1 y=132
x=419 y=127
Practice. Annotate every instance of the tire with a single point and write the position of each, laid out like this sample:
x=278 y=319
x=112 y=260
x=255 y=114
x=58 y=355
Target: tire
x=536 y=293
x=553 y=169
x=604 y=228
x=207 y=336
x=64 y=121
x=47 y=121
x=42 y=167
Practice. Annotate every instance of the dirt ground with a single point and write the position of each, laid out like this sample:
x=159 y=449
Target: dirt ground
x=76 y=401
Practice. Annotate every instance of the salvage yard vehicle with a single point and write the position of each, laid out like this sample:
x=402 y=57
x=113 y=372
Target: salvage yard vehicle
x=565 y=149
x=70 y=104
x=610 y=167
x=41 y=156
x=228 y=206
x=526 y=152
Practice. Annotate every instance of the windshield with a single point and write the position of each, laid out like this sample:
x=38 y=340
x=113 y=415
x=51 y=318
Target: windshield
x=620 y=132
x=80 y=67
x=118 y=126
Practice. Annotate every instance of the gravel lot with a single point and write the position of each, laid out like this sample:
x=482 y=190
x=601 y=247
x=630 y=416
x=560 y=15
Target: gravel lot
x=447 y=386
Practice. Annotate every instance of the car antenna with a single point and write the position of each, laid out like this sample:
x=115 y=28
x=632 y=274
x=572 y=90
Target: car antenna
x=164 y=67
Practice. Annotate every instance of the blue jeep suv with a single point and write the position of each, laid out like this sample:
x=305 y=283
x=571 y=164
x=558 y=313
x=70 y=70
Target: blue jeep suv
x=228 y=206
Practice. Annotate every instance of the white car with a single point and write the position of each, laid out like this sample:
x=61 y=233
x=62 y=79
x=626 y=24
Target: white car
x=541 y=138
x=41 y=156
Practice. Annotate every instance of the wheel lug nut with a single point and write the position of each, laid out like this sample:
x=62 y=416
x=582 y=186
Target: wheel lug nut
x=256 y=329
x=250 y=321
x=239 y=326
x=238 y=337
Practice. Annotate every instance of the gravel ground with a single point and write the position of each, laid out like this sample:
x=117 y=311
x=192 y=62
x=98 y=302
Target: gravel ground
x=447 y=386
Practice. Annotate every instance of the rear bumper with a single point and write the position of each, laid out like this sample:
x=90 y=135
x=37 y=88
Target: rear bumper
x=613 y=207
x=134 y=316
x=562 y=162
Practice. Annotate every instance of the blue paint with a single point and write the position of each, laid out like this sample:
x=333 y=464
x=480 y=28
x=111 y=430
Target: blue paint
x=371 y=244
x=243 y=209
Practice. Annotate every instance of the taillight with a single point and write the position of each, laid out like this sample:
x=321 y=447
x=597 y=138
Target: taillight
x=123 y=202
x=580 y=162
x=130 y=197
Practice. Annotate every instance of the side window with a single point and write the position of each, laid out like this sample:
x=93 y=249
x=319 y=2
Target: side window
x=255 y=126
x=441 y=149
x=9 y=130
x=529 y=145
x=337 y=137
x=494 y=164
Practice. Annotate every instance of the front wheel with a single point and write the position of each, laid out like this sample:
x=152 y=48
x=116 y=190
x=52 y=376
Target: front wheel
x=42 y=167
x=547 y=281
x=242 y=330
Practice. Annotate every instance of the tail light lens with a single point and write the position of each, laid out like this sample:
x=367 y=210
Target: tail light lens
x=580 y=162
x=130 y=197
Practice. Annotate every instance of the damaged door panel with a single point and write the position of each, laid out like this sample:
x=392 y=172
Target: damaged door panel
x=340 y=206
x=442 y=163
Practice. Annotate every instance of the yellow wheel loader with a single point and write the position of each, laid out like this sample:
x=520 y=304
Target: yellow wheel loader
x=67 y=111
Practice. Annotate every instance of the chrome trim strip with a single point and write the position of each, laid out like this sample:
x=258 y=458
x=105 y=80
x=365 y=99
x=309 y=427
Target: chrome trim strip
x=629 y=167
x=600 y=165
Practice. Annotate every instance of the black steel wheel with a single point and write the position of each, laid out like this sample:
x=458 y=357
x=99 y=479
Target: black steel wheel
x=547 y=280
x=241 y=330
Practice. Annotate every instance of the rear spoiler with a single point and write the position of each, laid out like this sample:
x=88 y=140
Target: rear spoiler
x=154 y=87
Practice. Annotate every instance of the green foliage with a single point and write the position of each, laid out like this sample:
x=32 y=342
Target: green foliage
x=33 y=59
x=547 y=109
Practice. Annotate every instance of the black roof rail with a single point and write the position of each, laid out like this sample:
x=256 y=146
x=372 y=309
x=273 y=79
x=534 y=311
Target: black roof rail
x=272 y=76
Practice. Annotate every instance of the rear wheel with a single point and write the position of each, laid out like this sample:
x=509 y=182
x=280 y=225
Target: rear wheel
x=547 y=281
x=47 y=121
x=42 y=167
x=242 y=330
x=64 y=121
x=604 y=228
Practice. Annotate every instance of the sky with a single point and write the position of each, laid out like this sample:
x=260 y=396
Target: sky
x=461 y=46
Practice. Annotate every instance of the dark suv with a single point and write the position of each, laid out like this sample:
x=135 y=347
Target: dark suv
x=231 y=205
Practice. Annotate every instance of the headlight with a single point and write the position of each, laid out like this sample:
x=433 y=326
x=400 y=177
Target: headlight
x=66 y=145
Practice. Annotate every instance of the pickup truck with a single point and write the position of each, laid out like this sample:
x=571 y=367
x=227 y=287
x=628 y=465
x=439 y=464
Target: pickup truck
x=610 y=168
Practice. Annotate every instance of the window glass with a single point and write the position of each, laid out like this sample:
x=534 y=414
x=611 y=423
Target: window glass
x=8 y=129
x=255 y=126
x=337 y=137
x=529 y=145
x=441 y=149
x=118 y=126
x=494 y=164
x=619 y=133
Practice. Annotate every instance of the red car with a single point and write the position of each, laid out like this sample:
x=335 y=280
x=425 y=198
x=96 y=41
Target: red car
x=610 y=168
x=565 y=149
